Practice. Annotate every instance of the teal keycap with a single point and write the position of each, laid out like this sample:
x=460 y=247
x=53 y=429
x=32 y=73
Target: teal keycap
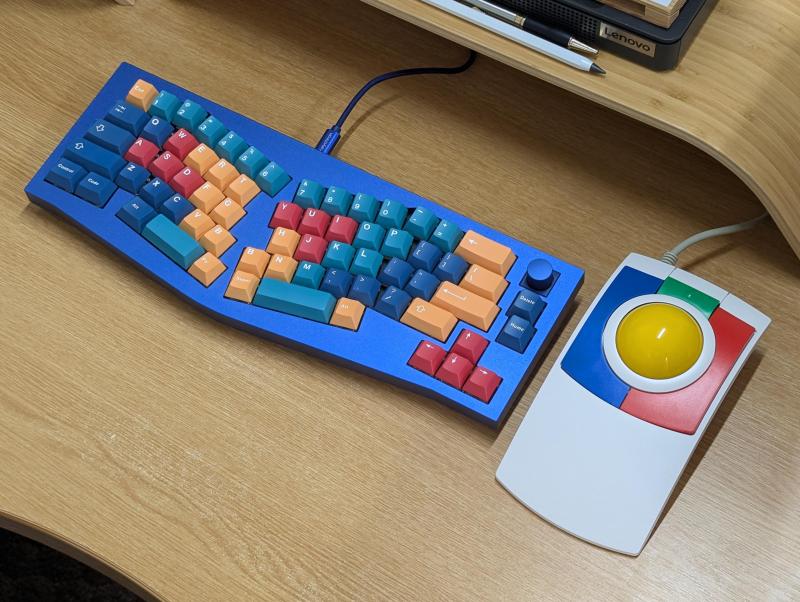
x=172 y=241
x=366 y=263
x=250 y=162
x=165 y=105
x=211 y=131
x=422 y=223
x=296 y=300
x=392 y=214
x=339 y=255
x=189 y=115
x=364 y=208
x=369 y=236
x=308 y=274
x=231 y=146
x=272 y=179
x=337 y=201
x=397 y=244
x=446 y=236
x=309 y=194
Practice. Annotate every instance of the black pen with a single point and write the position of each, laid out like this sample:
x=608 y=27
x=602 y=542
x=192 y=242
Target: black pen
x=557 y=36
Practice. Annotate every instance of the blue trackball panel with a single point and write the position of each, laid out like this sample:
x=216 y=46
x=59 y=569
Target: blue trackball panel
x=197 y=250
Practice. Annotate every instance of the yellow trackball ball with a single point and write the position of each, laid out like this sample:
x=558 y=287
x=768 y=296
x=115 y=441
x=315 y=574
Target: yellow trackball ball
x=659 y=340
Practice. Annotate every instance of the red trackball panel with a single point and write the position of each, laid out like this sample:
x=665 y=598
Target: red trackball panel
x=682 y=410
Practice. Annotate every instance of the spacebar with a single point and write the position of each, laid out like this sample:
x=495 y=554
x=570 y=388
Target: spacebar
x=296 y=300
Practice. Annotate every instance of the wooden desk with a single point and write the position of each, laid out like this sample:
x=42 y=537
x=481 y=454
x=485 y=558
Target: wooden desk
x=197 y=462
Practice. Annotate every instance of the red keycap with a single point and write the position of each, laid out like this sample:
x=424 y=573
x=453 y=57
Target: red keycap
x=186 y=181
x=315 y=221
x=311 y=248
x=287 y=215
x=427 y=357
x=166 y=166
x=455 y=370
x=342 y=229
x=470 y=345
x=482 y=383
x=142 y=152
x=181 y=143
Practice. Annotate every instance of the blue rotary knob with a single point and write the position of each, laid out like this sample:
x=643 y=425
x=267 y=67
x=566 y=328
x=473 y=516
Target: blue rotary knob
x=539 y=275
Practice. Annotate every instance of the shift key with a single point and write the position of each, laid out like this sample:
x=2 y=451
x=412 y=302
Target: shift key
x=465 y=305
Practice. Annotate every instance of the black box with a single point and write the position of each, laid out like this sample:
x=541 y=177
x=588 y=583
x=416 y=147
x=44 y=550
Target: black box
x=607 y=28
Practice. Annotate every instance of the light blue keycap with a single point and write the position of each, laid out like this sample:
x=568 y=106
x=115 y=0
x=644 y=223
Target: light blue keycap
x=446 y=236
x=366 y=263
x=397 y=243
x=250 y=162
x=369 y=236
x=339 y=255
x=165 y=105
x=421 y=223
x=309 y=194
x=296 y=300
x=231 y=147
x=272 y=179
x=211 y=131
x=189 y=116
x=364 y=208
x=392 y=214
x=309 y=274
x=337 y=201
x=172 y=241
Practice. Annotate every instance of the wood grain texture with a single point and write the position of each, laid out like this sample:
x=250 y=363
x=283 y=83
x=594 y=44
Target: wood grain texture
x=735 y=95
x=202 y=463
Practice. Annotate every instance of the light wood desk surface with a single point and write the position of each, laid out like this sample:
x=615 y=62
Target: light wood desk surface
x=201 y=463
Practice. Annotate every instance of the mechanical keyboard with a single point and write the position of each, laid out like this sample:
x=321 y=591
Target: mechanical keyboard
x=275 y=237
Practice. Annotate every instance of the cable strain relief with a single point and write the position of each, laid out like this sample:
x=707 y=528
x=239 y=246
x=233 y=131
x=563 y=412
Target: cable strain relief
x=329 y=140
x=670 y=258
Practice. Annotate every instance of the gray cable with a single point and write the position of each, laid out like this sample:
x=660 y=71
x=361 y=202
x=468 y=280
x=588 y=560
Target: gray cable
x=671 y=256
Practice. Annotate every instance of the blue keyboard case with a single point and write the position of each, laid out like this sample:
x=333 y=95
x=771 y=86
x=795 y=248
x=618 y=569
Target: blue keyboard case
x=381 y=346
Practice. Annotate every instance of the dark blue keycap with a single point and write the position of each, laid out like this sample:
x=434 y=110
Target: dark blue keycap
x=423 y=285
x=136 y=214
x=156 y=192
x=157 y=130
x=451 y=268
x=527 y=305
x=176 y=208
x=132 y=177
x=396 y=273
x=127 y=117
x=365 y=289
x=393 y=302
x=96 y=189
x=110 y=136
x=425 y=256
x=516 y=334
x=94 y=158
x=66 y=175
x=336 y=282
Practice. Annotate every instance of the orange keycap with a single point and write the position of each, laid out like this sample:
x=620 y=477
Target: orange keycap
x=347 y=313
x=207 y=197
x=465 y=305
x=221 y=174
x=476 y=248
x=242 y=190
x=227 y=213
x=201 y=158
x=242 y=287
x=217 y=240
x=196 y=224
x=487 y=284
x=142 y=95
x=281 y=268
x=283 y=242
x=254 y=261
x=426 y=317
x=207 y=269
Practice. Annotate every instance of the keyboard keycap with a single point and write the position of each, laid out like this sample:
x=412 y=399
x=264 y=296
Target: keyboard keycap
x=165 y=105
x=253 y=261
x=189 y=115
x=369 y=236
x=142 y=152
x=364 y=208
x=392 y=214
x=142 y=94
x=231 y=146
x=339 y=255
x=207 y=197
x=397 y=243
x=272 y=179
x=337 y=201
x=314 y=222
x=336 y=282
x=433 y=321
x=227 y=213
x=482 y=383
x=347 y=314
x=310 y=248
x=425 y=256
x=296 y=300
x=527 y=305
x=196 y=223
x=94 y=158
x=181 y=143
x=110 y=136
x=422 y=284
x=157 y=130
x=451 y=268
x=221 y=174
x=287 y=215
x=342 y=229
x=465 y=305
x=393 y=302
x=242 y=190
x=421 y=223
x=176 y=208
x=446 y=236
x=242 y=287
x=366 y=262
x=309 y=274
x=470 y=345
x=155 y=192
x=172 y=241
x=132 y=178
x=365 y=289
x=516 y=334
x=427 y=357
x=251 y=161
x=211 y=131
x=66 y=175
x=309 y=194
x=281 y=268
x=165 y=166
x=476 y=248
x=136 y=214
x=283 y=242
x=127 y=116
x=201 y=159
x=207 y=269
x=454 y=370
x=96 y=189
x=484 y=282
x=396 y=273
x=186 y=181
x=217 y=240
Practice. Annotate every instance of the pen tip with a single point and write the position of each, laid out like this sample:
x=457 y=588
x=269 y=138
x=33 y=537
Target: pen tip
x=595 y=68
